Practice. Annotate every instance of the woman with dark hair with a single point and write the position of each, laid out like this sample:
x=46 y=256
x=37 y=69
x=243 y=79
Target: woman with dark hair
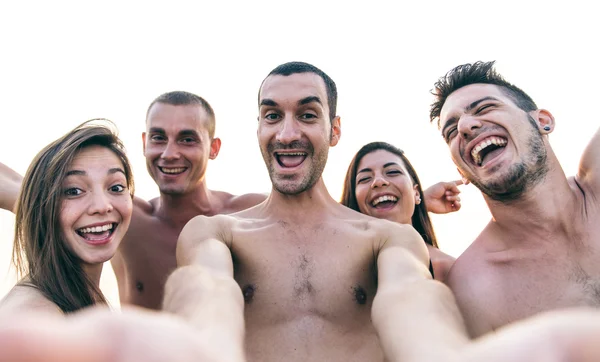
x=382 y=183
x=72 y=212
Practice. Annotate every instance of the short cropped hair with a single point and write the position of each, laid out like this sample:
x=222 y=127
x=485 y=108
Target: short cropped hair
x=182 y=98
x=478 y=72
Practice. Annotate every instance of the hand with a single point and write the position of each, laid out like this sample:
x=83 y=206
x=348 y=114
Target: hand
x=442 y=197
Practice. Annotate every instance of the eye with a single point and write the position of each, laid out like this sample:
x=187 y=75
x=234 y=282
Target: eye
x=450 y=133
x=272 y=116
x=308 y=116
x=73 y=191
x=157 y=138
x=363 y=180
x=188 y=140
x=483 y=108
x=394 y=172
x=117 y=188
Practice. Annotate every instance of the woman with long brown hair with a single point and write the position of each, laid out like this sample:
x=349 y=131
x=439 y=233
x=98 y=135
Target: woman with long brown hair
x=381 y=182
x=72 y=212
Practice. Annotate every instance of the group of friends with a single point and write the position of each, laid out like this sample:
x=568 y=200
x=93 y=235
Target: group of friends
x=295 y=275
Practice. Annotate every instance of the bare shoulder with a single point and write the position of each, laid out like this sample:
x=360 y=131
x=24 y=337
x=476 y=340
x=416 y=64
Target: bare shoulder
x=396 y=234
x=202 y=228
x=143 y=206
x=25 y=299
x=242 y=202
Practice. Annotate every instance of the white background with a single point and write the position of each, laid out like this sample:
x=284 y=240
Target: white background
x=64 y=62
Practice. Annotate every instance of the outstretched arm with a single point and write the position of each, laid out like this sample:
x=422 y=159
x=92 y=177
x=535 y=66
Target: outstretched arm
x=10 y=184
x=202 y=290
x=442 y=197
x=416 y=318
x=588 y=175
x=100 y=335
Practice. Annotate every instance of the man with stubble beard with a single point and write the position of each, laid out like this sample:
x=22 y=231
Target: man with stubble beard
x=540 y=250
x=308 y=267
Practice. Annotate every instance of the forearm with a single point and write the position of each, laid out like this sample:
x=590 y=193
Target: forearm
x=210 y=303
x=418 y=321
x=10 y=183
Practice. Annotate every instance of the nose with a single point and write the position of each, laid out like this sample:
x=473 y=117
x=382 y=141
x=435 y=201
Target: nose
x=288 y=131
x=379 y=181
x=468 y=126
x=170 y=152
x=100 y=203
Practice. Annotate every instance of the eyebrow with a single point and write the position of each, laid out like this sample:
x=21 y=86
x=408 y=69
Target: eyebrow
x=468 y=108
x=185 y=132
x=303 y=101
x=366 y=169
x=83 y=173
x=309 y=99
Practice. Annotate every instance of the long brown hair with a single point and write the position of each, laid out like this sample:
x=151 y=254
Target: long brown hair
x=420 y=218
x=40 y=252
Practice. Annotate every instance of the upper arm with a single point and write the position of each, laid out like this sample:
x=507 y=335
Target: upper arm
x=587 y=175
x=402 y=256
x=203 y=242
x=10 y=184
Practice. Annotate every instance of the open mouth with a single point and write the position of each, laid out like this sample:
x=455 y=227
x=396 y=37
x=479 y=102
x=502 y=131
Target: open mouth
x=487 y=150
x=384 y=202
x=172 y=170
x=290 y=159
x=97 y=233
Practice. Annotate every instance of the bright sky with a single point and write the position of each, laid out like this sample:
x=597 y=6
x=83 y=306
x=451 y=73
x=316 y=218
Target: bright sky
x=64 y=62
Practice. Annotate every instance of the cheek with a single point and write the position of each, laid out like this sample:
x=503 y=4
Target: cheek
x=361 y=195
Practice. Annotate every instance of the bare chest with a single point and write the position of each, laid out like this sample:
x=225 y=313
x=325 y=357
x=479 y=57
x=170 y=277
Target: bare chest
x=494 y=293
x=292 y=271
x=147 y=258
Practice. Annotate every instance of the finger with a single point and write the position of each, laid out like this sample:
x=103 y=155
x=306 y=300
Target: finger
x=456 y=205
x=458 y=182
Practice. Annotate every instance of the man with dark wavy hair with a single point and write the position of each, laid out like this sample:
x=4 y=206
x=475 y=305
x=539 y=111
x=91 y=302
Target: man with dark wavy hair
x=540 y=250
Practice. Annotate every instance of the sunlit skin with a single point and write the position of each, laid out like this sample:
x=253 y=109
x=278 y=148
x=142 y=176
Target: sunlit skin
x=96 y=206
x=481 y=112
x=177 y=146
x=382 y=173
x=294 y=130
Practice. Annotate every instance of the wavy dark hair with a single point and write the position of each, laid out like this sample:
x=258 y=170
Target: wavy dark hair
x=40 y=252
x=420 y=218
x=475 y=73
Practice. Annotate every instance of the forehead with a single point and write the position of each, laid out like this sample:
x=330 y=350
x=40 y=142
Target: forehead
x=174 y=118
x=461 y=98
x=379 y=158
x=95 y=155
x=288 y=90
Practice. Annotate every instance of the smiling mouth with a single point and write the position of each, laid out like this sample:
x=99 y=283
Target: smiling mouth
x=290 y=159
x=384 y=202
x=96 y=233
x=487 y=149
x=172 y=170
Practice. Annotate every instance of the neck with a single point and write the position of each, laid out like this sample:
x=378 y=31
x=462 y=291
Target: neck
x=307 y=204
x=545 y=209
x=93 y=272
x=178 y=209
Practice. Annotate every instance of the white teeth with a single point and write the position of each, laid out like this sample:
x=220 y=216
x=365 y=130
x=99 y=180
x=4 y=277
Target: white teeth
x=172 y=170
x=292 y=154
x=384 y=198
x=483 y=144
x=96 y=229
